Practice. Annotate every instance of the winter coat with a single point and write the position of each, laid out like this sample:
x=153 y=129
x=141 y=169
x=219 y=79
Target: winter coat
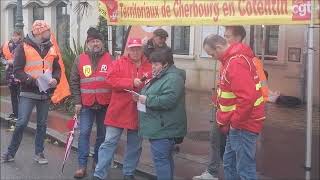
x=28 y=83
x=122 y=111
x=165 y=115
x=240 y=102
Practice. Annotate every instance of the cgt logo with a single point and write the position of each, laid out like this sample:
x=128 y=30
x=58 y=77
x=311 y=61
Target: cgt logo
x=301 y=10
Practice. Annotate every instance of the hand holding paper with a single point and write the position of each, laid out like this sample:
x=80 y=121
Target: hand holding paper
x=53 y=83
x=142 y=99
x=139 y=98
x=43 y=81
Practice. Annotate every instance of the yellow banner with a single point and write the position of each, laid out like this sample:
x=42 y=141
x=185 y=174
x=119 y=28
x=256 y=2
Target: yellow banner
x=208 y=12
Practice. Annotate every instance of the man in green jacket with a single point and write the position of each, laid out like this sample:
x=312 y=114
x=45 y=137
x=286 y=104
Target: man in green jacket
x=164 y=122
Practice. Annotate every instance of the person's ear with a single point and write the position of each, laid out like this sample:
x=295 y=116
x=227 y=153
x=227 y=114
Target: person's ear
x=219 y=47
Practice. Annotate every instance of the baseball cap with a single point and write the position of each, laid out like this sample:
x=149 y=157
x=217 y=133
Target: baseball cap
x=134 y=42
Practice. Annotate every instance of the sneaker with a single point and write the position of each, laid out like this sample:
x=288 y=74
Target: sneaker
x=205 y=176
x=7 y=158
x=15 y=118
x=10 y=116
x=11 y=129
x=39 y=158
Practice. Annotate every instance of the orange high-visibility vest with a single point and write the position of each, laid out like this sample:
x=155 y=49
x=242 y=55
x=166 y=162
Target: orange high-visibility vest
x=62 y=90
x=35 y=64
x=264 y=85
x=6 y=51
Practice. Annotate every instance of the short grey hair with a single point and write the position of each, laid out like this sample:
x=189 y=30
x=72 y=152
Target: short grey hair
x=213 y=40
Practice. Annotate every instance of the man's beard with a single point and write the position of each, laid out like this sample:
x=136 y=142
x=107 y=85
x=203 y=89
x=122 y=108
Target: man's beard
x=96 y=53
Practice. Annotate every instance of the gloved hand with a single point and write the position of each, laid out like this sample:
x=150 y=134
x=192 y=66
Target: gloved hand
x=224 y=129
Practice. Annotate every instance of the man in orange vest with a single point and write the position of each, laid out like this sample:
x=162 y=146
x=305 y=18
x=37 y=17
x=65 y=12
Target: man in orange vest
x=240 y=106
x=236 y=34
x=13 y=83
x=91 y=92
x=34 y=57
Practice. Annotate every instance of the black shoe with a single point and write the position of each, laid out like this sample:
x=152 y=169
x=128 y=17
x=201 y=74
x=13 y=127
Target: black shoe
x=7 y=158
x=129 y=177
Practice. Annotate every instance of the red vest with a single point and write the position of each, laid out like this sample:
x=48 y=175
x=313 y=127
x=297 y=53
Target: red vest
x=94 y=86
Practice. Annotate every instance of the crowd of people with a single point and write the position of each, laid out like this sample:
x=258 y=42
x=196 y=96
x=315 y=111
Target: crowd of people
x=142 y=93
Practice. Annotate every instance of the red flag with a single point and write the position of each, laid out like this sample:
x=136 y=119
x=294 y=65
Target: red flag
x=73 y=123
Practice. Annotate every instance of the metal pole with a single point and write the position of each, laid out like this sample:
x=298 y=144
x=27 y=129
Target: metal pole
x=19 y=17
x=309 y=95
x=79 y=25
x=264 y=34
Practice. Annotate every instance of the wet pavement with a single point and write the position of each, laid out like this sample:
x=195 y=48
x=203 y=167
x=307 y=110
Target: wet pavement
x=281 y=147
x=24 y=167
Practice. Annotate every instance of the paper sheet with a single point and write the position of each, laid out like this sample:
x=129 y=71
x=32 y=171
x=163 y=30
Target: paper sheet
x=43 y=81
x=141 y=107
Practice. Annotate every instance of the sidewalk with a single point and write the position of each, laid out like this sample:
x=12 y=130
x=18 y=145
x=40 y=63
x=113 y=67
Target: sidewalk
x=280 y=153
x=24 y=166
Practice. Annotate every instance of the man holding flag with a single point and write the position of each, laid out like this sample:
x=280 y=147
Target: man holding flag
x=91 y=93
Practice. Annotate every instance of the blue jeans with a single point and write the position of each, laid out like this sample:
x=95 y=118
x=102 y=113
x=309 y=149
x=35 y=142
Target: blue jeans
x=239 y=158
x=26 y=106
x=162 y=155
x=109 y=146
x=87 y=117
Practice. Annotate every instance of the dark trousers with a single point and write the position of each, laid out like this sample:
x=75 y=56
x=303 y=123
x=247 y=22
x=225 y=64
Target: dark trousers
x=14 y=91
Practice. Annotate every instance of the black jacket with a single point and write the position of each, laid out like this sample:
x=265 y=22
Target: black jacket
x=28 y=84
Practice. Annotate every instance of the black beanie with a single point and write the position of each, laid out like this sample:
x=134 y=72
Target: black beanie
x=94 y=33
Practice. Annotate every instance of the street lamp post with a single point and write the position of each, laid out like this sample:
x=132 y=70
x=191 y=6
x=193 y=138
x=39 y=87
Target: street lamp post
x=19 y=18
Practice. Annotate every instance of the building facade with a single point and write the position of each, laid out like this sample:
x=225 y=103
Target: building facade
x=284 y=48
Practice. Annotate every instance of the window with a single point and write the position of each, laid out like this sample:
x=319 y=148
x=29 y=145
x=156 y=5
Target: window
x=271 y=41
x=118 y=36
x=38 y=12
x=63 y=29
x=272 y=37
x=180 y=39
